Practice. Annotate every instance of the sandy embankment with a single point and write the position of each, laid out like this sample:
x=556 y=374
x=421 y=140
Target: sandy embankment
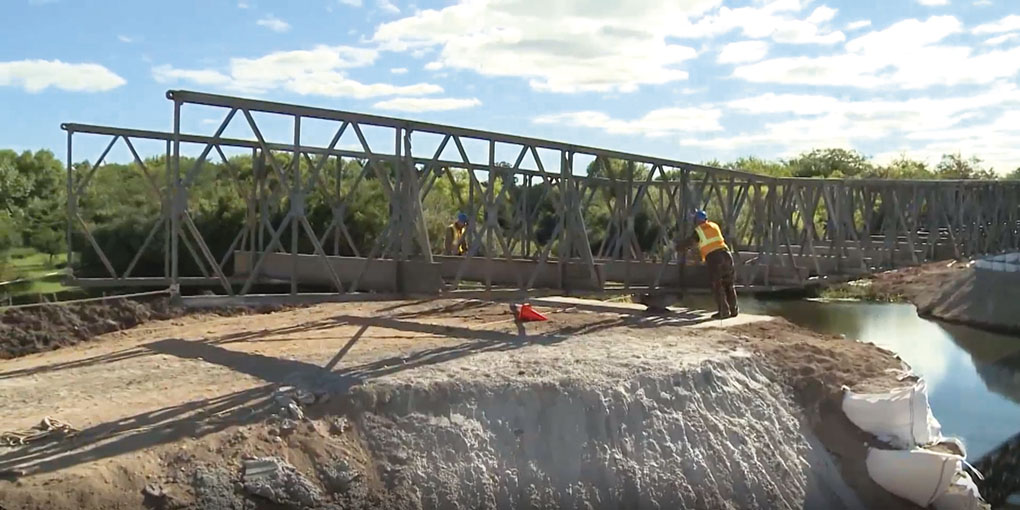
x=432 y=405
x=958 y=293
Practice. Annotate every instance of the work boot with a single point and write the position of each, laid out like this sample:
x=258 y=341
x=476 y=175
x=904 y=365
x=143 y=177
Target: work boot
x=720 y=303
x=718 y=315
x=733 y=312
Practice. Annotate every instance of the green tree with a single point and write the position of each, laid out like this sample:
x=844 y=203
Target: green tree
x=837 y=163
x=903 y=168
x=9 y=238
x=954 y=166
x=760 y=166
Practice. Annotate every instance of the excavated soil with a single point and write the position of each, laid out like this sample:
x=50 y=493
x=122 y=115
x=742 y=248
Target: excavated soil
x=444 y=404
x=42 y=328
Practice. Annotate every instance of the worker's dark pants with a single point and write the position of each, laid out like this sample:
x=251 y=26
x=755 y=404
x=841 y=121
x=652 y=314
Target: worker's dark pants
x=720 y=272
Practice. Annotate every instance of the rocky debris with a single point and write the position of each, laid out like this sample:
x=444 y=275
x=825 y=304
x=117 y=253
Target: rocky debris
x=339 y=478
x=155 y=497
x=338 y=425
x=154 y=491
x=287 y=427
x=286 y=403
x=277 y=481
x=214 y=490
x=304 y=397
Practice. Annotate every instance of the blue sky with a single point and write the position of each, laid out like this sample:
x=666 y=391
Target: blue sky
x=686 y=79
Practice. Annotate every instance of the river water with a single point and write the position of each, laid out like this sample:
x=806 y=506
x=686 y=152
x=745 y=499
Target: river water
x=973 y=376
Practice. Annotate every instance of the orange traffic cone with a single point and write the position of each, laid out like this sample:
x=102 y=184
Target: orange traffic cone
x=528 y=314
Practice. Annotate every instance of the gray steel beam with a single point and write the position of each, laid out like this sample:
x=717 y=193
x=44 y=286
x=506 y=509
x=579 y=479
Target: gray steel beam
x=202 y=98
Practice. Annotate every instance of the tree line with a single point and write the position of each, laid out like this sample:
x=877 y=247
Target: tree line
x=121 y=204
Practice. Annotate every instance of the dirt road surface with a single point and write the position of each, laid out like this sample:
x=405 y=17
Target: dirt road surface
x=154 y=402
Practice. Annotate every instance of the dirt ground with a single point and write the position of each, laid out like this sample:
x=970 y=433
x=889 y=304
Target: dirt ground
x=956 y=292
x=42 y=328
x=155 y=401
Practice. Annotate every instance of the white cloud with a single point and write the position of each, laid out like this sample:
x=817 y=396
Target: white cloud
x=743 y=52
x=905 y=55
x=821 y=15
x=433 y=66
x=243 y=5
x=911 y=33
x=999 y=39
x=387 y=6
x=426 y=104
x=564 y=46
x=982 y=3
x=1010 y=23
x=993 y=143
x=352 y=3
x=319 y=71
x=399 y=70
x=38 y=75
x=168 y=74
x=774 y=19
x=924 y=124
x=125 y=39
x=857 y=25
x=655 y=123
x=273 y=23
x=933 y=3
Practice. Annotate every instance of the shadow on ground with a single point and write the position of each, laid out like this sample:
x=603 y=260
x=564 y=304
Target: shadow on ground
x=207 y=416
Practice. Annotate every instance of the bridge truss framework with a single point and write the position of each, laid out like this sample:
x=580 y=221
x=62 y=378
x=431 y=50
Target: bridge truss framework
x=785 y=232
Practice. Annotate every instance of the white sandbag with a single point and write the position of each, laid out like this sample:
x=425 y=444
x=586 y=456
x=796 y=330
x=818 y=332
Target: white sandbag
x=962 y=494
x=901 y=417
x=920 y=476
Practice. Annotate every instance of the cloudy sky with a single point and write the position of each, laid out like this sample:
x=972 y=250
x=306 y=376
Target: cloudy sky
x=685 y=79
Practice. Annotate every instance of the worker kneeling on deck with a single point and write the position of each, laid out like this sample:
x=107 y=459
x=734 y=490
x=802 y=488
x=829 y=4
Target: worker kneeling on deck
x=716 y=255
x=455 y=236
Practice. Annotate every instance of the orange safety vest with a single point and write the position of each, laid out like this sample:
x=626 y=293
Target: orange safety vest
x=709 y=238
x=458 y=238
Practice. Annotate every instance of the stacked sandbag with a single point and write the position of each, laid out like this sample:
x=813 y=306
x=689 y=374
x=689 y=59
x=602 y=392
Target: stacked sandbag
x=912 y=470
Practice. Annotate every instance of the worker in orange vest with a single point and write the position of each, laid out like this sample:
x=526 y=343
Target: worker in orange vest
x=456 y=236
x=716 y=256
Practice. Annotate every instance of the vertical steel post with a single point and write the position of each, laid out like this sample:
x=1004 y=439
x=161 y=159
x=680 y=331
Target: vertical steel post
x=295 y=206
x=417 y=225
x=166 y=208
x=259 y=166
x=71 y=203
x=175 y=204
x=527 y=217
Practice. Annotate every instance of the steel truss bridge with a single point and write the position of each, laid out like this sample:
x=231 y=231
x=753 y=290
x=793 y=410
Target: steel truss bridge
x=534 y=205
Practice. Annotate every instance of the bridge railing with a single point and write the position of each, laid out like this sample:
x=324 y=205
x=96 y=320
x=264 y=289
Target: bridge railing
x=544 y=215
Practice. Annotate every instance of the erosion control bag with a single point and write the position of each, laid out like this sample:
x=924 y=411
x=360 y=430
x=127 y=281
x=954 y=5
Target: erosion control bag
x=900 y=417
x=918 y=475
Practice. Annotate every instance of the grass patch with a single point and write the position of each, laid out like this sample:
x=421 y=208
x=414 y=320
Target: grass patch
x=860 y=290
x=35 y=269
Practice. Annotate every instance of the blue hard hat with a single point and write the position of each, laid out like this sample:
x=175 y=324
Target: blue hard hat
x=700 y=215
x=463 y=218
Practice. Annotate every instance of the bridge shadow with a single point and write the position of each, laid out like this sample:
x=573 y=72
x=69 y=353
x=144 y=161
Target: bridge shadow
x=110 y=357
x=201 y=417
x=144 y=430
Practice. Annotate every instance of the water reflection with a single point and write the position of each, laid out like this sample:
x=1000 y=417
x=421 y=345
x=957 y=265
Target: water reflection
x=973 y=376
